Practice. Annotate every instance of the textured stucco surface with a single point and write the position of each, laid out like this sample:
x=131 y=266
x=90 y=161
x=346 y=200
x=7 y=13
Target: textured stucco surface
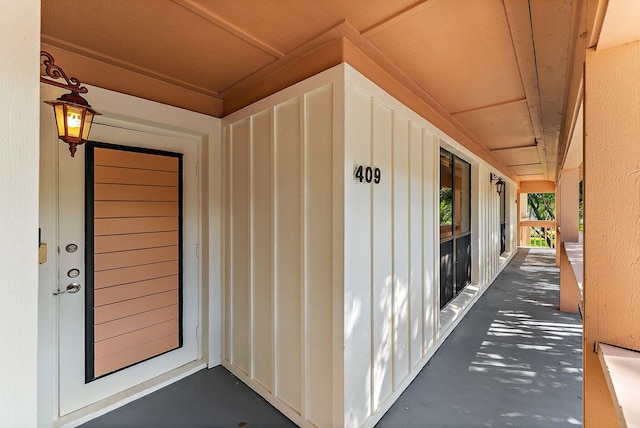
x=611 y=215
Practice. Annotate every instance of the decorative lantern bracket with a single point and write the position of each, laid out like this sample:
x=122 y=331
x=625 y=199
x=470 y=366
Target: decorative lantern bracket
x=73 y=113
x=500 y=183
x=56 y=72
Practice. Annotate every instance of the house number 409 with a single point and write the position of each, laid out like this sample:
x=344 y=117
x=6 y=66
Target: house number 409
x=367 y=174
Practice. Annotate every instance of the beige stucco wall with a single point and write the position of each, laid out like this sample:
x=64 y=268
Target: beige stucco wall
x=19 y=109
x=611 y=212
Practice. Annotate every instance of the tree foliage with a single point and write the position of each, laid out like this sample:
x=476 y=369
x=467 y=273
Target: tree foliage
x=541 y=206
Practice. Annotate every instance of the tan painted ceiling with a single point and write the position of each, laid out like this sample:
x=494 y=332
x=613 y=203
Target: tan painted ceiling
x=496 y=69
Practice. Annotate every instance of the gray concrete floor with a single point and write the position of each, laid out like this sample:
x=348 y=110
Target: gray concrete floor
x=208 y=398
x=515 y=360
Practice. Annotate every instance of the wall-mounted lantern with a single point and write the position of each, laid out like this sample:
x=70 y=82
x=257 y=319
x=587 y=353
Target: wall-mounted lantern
x=499 y=182
x=73 y=113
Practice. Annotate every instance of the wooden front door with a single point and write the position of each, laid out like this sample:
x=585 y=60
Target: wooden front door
x=128 y=235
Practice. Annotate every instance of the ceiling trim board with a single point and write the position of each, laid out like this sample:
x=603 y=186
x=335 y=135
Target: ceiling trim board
x=518 y=18
x=393 y=19
x=529 y=146
x=488 y=107
x=525 y=164
x=328 y=36
x=575 y=78
x=70 y=47
x=216 y=19
x=595 y=20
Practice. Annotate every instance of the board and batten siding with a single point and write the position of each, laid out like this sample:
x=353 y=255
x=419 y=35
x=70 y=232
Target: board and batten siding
x=392 y=321
x=331 y=295
x=486 y=224
x=390 y=248
x=278 y=293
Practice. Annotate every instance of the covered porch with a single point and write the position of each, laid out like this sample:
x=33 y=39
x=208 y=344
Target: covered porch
x=515 y=359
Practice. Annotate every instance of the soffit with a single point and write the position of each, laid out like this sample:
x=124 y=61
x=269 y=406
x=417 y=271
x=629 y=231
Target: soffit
x=460 y=51
x=287 y=24
x=493 y=69
x=159 y=38
x=500 y=126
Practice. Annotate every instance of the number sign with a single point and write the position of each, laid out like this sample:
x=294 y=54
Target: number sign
x=367 y=174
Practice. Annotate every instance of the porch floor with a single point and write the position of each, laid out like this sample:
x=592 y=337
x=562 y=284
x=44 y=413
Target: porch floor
x=515 y=360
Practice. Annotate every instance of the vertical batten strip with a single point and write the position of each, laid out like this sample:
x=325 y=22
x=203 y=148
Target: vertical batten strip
x=410 y=253
x=394 y=277
x=416 y=292
x=231 y=241
x=372 y=284
x=423 y=273
x=427 y=286
x=338 y=253
x=274 y=222
x=436 y=235
x=302 y=167
x=251 y=249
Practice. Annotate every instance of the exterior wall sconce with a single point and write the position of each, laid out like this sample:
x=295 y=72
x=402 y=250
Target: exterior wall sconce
x=73 y=113
x=499 y=182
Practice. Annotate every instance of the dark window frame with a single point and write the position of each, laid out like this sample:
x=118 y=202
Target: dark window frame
x=452 y=266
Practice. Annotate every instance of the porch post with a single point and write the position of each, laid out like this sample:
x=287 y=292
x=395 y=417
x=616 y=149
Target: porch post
x=611 y=211
x=19 y=135
x=569 y=204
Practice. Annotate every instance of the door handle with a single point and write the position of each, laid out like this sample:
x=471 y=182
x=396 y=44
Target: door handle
x=72 y=288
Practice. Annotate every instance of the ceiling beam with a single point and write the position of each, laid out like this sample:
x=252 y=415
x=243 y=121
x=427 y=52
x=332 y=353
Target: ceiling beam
x=393 y=19
x=505 y=103
x=216 y=19
x=528 y=146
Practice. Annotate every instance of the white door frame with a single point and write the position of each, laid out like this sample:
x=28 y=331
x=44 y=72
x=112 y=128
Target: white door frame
x=146 y=116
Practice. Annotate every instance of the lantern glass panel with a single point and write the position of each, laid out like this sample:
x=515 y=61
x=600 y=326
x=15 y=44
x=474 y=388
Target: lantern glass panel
x=59 y=112
x=88 y=117
x=74 y=121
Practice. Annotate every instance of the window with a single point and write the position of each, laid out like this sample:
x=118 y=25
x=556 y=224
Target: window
x=455 y=226
x=503 y=220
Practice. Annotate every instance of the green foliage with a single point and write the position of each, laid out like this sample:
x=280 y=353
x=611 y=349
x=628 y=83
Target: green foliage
x=581 y=208
x=446 y=206
x=541 y=206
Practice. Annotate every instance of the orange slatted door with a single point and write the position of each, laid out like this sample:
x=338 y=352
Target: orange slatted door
x=133 y=256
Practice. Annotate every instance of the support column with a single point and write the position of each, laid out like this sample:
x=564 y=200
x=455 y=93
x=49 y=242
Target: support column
x=522 y=213
x=19 y=136
x=558 y=223
x=570 y=204
x=567 y=200
x=612 y=216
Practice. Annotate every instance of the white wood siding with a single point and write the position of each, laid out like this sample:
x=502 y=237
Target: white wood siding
x=279 y=245
x=392 y=321
x=331 y=302
x=390 y=246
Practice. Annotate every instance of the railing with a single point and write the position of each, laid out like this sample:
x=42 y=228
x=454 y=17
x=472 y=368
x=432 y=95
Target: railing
x=537 y=233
